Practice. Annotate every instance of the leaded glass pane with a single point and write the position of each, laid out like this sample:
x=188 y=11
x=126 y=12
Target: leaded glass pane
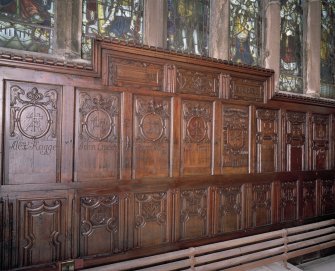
x=245 y=31
x=121 y=19
x=188 y=26
x=27 y=24
x=327 y=56
x=291 y=46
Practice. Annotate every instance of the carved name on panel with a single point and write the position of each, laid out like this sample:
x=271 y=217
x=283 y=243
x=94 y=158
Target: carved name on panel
x=32 y=140
x=235 y=137
x=243 y=89
x=98 y=135
x=196 y=82
x=320 y=141
x=152 y=136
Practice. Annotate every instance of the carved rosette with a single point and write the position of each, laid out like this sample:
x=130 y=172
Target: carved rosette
x=99 y=211
x=151 y=208
x=153 y=115
x=98 y=117
x=195 y=82
x=235 y=136
x=197 y=119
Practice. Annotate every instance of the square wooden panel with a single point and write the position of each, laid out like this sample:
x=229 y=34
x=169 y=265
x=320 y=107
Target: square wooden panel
x=32 y=133
x=151 y=136
x=97 y=148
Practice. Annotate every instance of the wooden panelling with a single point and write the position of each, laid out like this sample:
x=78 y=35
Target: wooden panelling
x=267 y=140
x=152 y=129
x=309 y=198
x=327 y=197
x=288 y=201
x=197 y=125
x=97 y=135
x=247 y=90
x=32 y=133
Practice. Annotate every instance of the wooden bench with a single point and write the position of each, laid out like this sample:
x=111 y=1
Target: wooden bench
x=239 y=254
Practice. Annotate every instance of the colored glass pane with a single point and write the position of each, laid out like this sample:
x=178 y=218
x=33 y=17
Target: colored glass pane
x=291 y=49
x=188 y=26
x=327 y=56
x=121 y=19
x=245 y=31
x=27 y=24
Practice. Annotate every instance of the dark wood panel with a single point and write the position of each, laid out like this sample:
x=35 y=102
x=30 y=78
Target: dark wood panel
x=247 y=90
x=327 y=197
x=288 y=201
x=309 y=197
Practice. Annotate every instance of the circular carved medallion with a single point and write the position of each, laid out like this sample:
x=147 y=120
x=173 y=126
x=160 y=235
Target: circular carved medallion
x=152 y=126
x=196 y=128
x=99 y=124
x=34 y=121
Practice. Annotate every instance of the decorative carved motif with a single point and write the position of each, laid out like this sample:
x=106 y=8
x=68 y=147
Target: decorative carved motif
x=235 y=137
x=320 y=141
x=288 y=201
x=125 y=72
x=261 y=204
x=230 y=200
x=308 y=198
x=195 y=82
x=243 y=89
x=42 y=237
x=327 y=196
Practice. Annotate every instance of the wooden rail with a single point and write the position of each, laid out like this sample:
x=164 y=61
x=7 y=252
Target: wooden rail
x=239 y=254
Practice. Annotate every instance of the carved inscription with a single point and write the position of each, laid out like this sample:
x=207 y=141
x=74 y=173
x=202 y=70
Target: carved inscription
x=125 y=72
x=327 y=197
x=98 y=135
x=267 y=140
x=235 y=137
x=288 y=201
x=197 y=136
x=99 y=220
x=152 y=136
x=151 y=225
x=230 y=209
x=295 y=140
x=261 y=205
x=320 y=141
x=243 y=89
x=32 y=139
x=42 y=235
x=195 y=82
x=193 y=213
x=308 y=198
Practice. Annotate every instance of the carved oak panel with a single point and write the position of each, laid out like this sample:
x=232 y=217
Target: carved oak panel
x=288 y=201
x=151 y=219
x=309 y=198
x=197 y=82
x=152 y=118
x=98 y=129
x=196 y=137
x=327 y=197
x=42 y=231
x=320 y=141
x=260 y=205
x=193 y=214
x=247 y=90
x=230 y=208
x=135 y=73
x=99 y=225
x=267 y=140
x=295 y=140
x=235 y=153
x=32 y=133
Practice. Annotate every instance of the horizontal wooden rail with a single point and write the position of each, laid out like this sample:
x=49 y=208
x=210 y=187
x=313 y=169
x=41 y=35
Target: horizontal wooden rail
x=239 y=254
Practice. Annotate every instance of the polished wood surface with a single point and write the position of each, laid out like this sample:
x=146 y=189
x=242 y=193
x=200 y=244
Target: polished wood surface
x=146 y=151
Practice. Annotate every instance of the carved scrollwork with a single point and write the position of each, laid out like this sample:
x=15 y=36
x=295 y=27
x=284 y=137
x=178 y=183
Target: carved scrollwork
x=194 y=203
x=296 y=126
x=288 y=194
x=231 y=200
x=261 y=196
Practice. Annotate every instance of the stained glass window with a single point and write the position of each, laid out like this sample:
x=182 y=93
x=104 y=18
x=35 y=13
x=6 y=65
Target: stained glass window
x=121 y=19
x=245 y=31
x=27 y=24
x=291 y=46
x=327 y=56
x=188 y=26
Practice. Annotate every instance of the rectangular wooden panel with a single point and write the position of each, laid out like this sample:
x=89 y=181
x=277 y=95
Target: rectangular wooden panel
x=327 y=197
x=288 y=201
x=152 y=224
x=99 y=224
x=32 y=133
x=308 y=198
x=247 y=90
x=267 y=140
x=135 y=73
x=42 y=231
x=235 y=135
x=97 y=148
x=320 y=141
x=196 y=151
x=151 y=135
